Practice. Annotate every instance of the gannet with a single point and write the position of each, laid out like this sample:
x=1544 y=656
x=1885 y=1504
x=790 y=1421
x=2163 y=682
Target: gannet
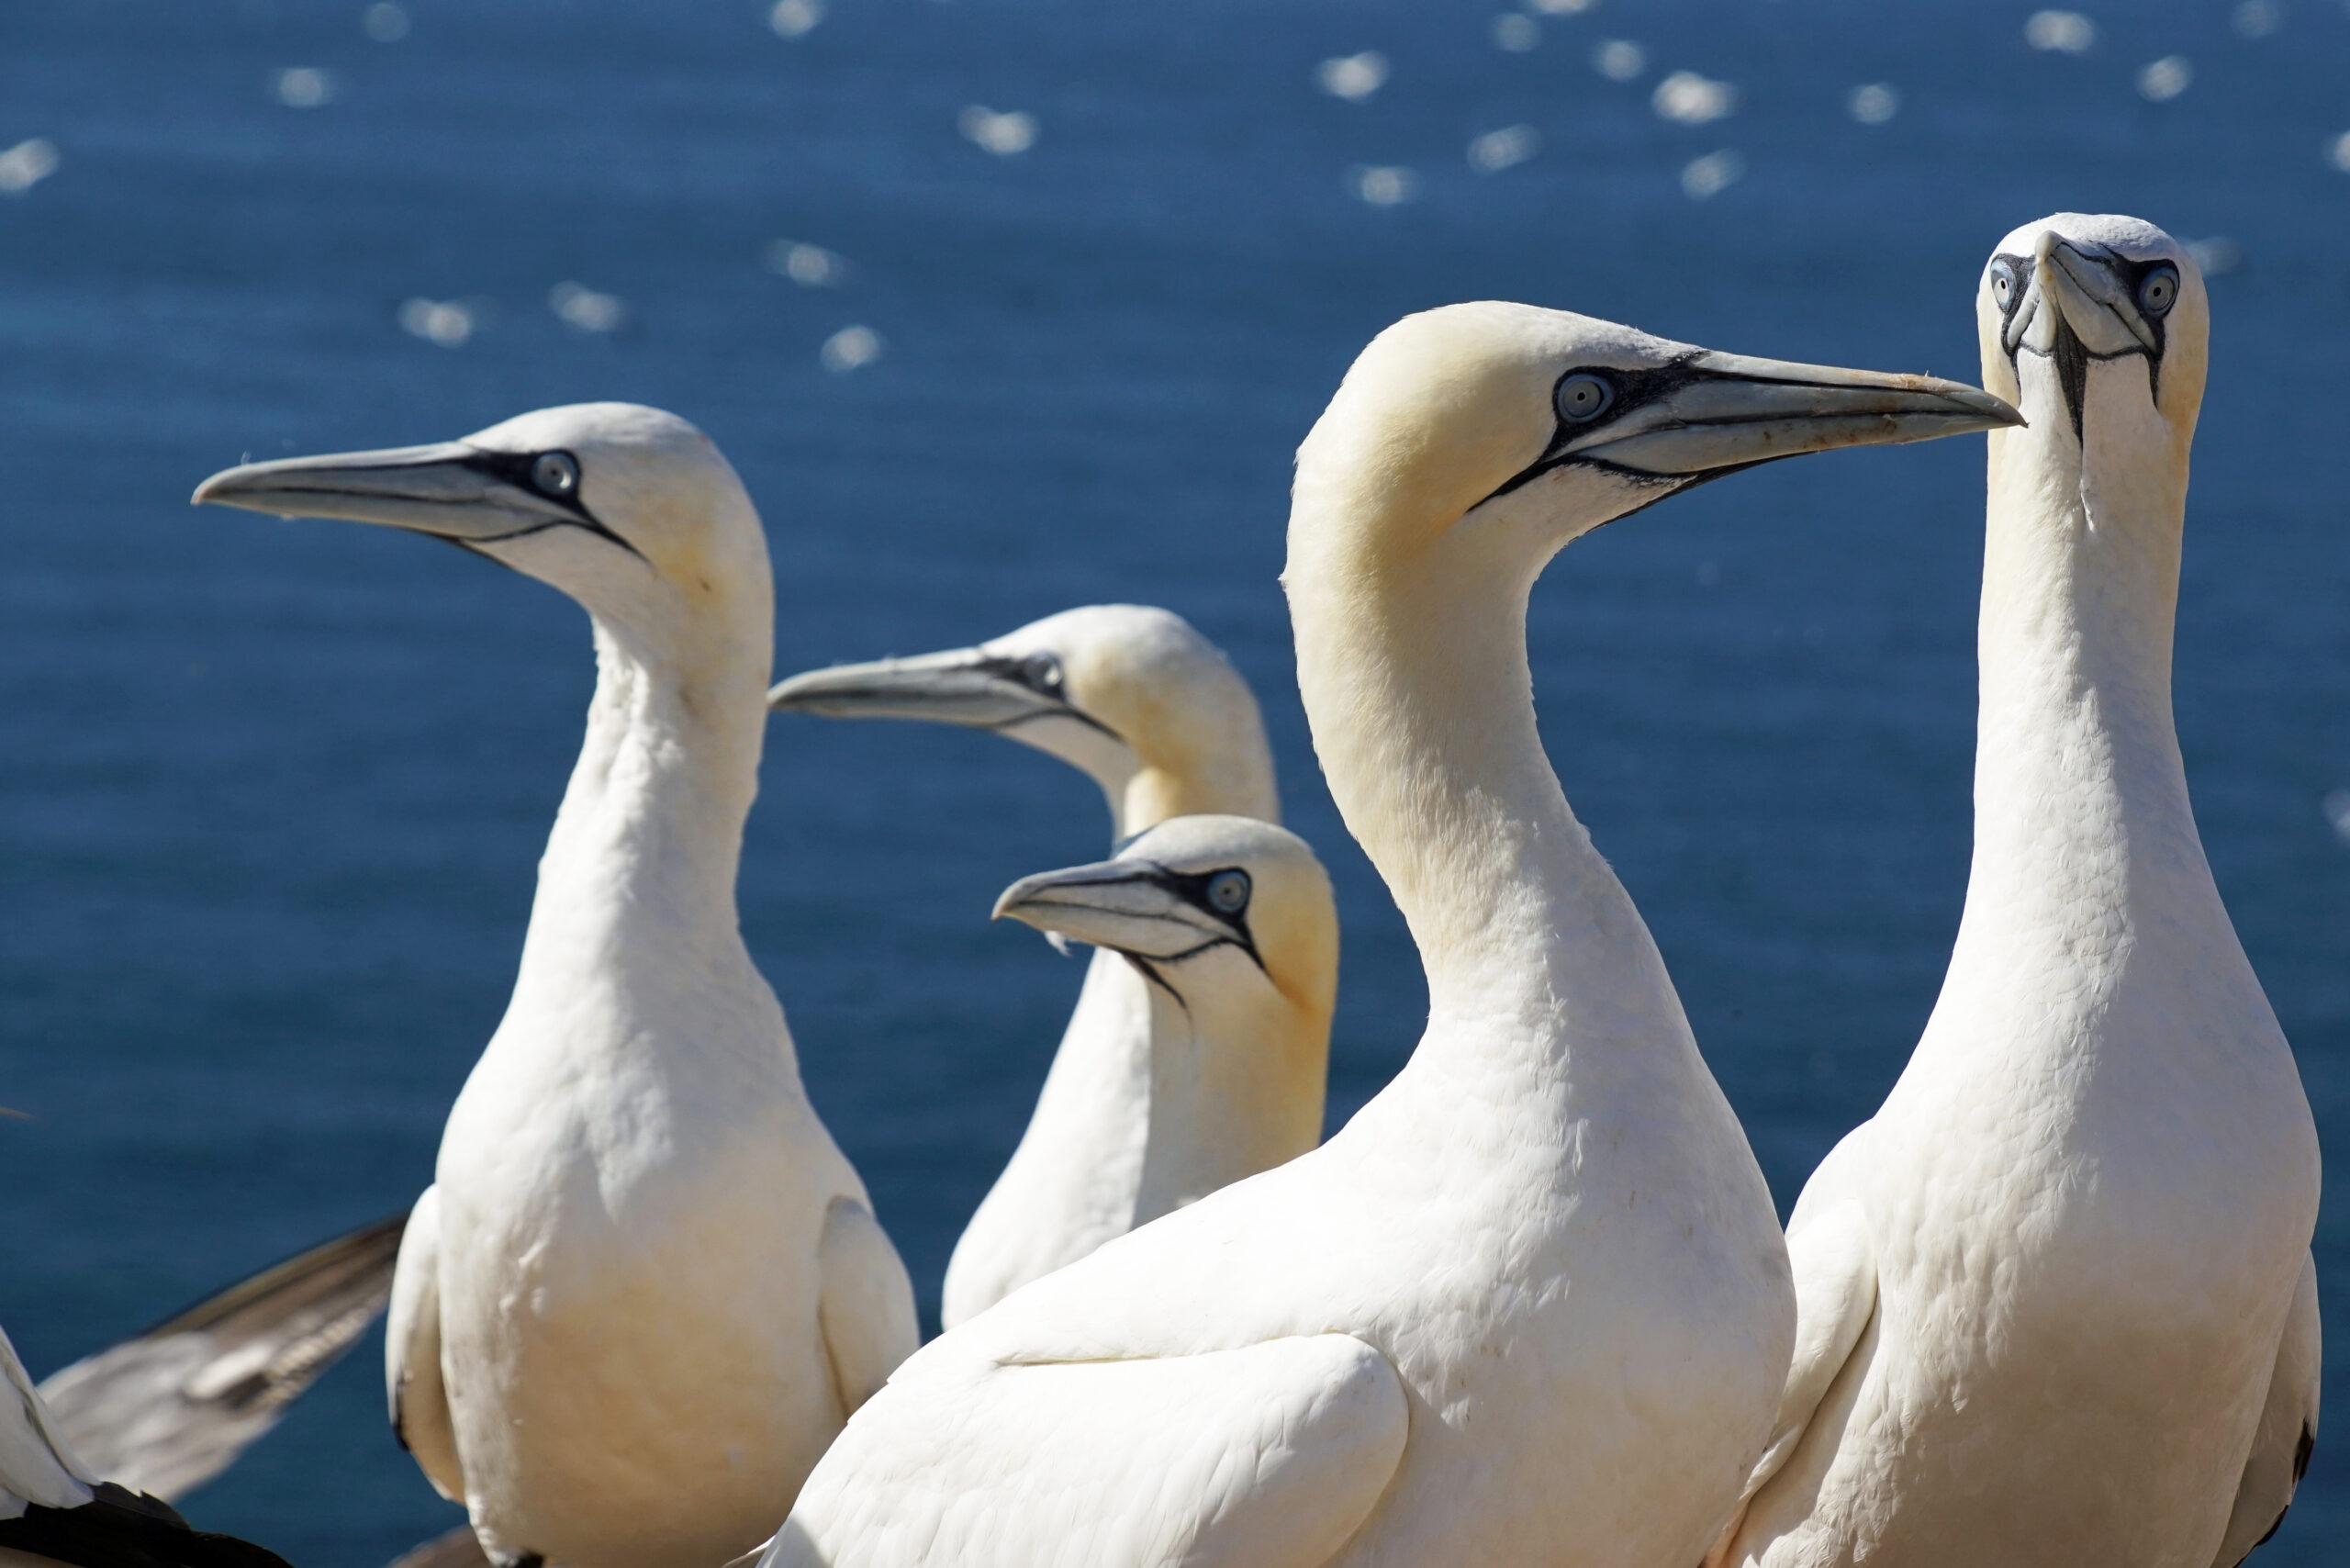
x=1530 y=1304
x=1152 y=712
x=2056 y=1296
x=53 y=1507
x=646 y=1287
x=1230 y=923
x=168 y=1409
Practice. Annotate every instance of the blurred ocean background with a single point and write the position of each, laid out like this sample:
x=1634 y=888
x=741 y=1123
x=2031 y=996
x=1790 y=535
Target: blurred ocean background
x=1003 y=307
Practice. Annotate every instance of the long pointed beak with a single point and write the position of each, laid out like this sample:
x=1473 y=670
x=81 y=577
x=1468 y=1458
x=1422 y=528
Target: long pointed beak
x=2078 y=284
x=963 y=686
x=1126 y=905
x=1734 y=411
x=450 y=490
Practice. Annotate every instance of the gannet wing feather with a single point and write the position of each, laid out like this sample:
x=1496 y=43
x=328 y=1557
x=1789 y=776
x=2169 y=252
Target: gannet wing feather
x=866 y=1305
x=168 y=1410
x=37 y=1464
x=1835 y=1277
x=2288 y=1430
x=412 y=1375
x=1270 y=1456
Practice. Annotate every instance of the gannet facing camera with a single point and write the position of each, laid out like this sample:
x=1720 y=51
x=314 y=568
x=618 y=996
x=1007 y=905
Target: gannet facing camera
x=2057 y=1303
x=55 y=1510
x=646 y=1287
x=1230 y=921
x=1152 y=712
x=1530 y=1305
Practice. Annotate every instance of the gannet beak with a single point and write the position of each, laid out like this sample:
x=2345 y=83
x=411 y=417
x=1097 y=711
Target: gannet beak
x=1732 y=411
x=452 y=491
x=965 y=686
x=2079 y=284
x=1136 y=907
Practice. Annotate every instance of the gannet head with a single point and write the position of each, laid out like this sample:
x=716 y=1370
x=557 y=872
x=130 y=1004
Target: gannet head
x=1546 y=424
x=630 y=510
x=1129 y=693
x=2096 y=320
x=1233 y=895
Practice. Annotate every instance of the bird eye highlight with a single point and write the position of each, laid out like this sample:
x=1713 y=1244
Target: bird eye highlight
x=2003 y=283
x=1228 y=891
x=1582 y=397
x=1042 y=671
x=2158 y=290
x=556 y=474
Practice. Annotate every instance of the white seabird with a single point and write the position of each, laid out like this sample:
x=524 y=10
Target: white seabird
x=1230 y=923
x=2056 y=1296
x=1530 y=1304
x=1135 y=697
x=166 y=1410
x=646 y=1288
x=54 y=1509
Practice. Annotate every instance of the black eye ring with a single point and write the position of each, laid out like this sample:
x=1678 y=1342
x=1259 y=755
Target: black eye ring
x=2158 y=290
x=1582 y=397
x=1228 y=891
x=556 y=474
x=1042 y=671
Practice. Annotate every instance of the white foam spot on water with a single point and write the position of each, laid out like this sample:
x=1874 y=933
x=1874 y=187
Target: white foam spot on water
x=2257 y=19
x=2337 y=151
x=1353 y=77
x=2336 y=807
x=385 y=22
x=1383 y=184
x=26 y=164
x=2216 y=256
x=2165 y=79
x=1706 y=178
x=447 y=323
x=1005 y=135
x=584 y=310
x=2060 y=32
x=1691 y=99
x=1516 y=32
x=1874 y=104
x=809 y=266
x=1560 y=7
x=304 y=88
x=851 y=348
x=1497 y=149
x=795 y=19
x=1620 y=60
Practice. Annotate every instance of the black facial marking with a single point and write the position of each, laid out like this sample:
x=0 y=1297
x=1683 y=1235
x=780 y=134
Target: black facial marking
x=1042 y=677
x=2072 y=369
x=1634 y=389
x=1193 y=887
x=515 y=468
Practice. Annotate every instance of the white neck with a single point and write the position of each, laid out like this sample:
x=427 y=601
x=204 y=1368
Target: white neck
x=1236 y=1073
x=1415 y=684
x=636 y=890
x=2080 y=795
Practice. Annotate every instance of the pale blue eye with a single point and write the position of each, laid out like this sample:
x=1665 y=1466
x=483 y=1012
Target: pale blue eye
x=1228 y=891
x=555 y=473
x=1582 y=397
x=2158 y=290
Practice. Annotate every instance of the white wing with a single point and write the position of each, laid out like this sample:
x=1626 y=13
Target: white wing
x=2288 y=1430
x=412 y=1353
x=865 y=1304
x=37 y=1464
x=1267 y=1457
x=1835 y=1276
x=167 y=1411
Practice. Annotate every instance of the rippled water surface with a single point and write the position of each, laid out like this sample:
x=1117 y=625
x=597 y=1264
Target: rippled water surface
x=271 y=795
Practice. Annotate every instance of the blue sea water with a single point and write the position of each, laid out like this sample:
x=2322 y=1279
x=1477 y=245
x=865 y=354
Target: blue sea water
x=270 y=794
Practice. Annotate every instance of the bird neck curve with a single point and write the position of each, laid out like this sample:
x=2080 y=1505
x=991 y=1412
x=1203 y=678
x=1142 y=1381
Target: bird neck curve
x=1413 y=672
x=638 y=881
x=2080 y=791
x=1237 y=1074
x=1236 y=782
